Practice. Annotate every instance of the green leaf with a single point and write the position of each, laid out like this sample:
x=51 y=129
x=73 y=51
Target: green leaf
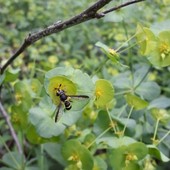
x=51 y=149
x=34 y=138
x=70 y=117
x=13 y=160
x=130 y=125
x=31 y=168
x=84 y=83
x=148 y=90
x=139 y=149
x=102 y=122
x=22 y=95
x=158 y=26
x=104 y=93
x=99 y=164
x=136 y=102
x=45 y=126
x=11 y=75
x=72 y=167
x=4 y=168
x=76 y=154
x=132 y=166
x=123 y=81
x=36 y=87
x=88 y=138
x=59 y=71
x=155 y=152
x=161 y=103
x=117 y=157
x=140 y=73
x=127 y=156
x=103 y=46
x=19 y=117
x=2 y=78
x=116 y=142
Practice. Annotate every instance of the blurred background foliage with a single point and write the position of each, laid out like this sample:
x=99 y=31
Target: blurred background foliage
x=74 y=47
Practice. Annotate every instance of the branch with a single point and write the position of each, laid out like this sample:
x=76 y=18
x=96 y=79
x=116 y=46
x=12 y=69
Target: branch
x=5 y=115
x=121 y=6
x=88 y=14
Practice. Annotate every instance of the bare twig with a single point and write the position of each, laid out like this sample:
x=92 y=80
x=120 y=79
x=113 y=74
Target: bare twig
x=121 y=6
x=88 y=14
x=7 y=119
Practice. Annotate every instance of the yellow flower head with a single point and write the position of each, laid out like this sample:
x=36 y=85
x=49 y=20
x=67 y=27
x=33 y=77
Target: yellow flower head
x=164 y=50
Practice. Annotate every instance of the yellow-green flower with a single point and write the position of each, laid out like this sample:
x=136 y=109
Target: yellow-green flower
x=158 y=51
x=104 y=93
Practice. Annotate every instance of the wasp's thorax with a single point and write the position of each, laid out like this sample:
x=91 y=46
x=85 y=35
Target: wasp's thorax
x=64 y=98
x=62 y=95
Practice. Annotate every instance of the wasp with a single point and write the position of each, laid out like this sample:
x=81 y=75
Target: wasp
x=66 y=100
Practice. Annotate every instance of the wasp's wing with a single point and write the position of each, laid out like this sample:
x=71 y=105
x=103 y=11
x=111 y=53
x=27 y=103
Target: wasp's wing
x=78 y=96
x=78 y=101
x=58 y=112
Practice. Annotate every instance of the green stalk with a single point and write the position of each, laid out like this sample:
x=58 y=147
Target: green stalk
x=99 y=137
x=156 y=129
x=123 y=92
x=125 y=43
x=41 y=157
x=111 y=121
x=130 y=112
x=164 y=137
x=142 y=79
x=13 y=158
x=124 y=107
x=100 y=66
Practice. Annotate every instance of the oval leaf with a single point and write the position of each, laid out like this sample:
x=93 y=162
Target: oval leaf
x=154 y=151
x=136 y=102
x=45 y=126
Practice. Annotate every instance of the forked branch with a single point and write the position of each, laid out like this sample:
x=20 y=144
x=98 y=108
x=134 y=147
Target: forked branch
x=88 y=14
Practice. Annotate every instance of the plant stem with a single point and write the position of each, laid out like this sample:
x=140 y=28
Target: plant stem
x=156 y=129
x=13 y=134
x=124 y=107
x=130 y=112
x=12 y=157
x=125 y=43
x=164 y=137
x=123 y=92
x=142 y=79
x=112 y=124
x=99 y=137
x=100 y=66
x=41 y=157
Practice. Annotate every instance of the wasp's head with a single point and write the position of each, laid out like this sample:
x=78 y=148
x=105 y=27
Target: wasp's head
x=59 y=91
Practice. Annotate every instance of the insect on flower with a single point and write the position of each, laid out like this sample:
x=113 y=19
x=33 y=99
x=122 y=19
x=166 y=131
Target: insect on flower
x=66 y=100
